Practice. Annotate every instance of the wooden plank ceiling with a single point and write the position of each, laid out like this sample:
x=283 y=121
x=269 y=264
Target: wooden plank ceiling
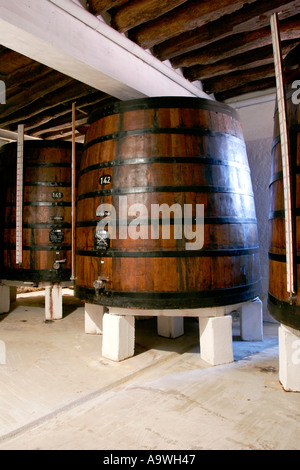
x=226 y=44
x=41 y=98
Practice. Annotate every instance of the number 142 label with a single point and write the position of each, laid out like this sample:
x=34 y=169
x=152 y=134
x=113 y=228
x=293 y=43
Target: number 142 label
x=105 y=179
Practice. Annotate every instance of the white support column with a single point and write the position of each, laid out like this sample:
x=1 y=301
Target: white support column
x=216 y=339
x=170 y=327
x=4 y=299
x=251 y=318
x=118 y=337
x=53 y=302
x=93 y=319
x=289 y=358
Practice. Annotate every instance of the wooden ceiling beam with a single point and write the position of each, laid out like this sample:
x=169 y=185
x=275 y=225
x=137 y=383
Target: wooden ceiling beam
x=250 y=17
x=136 y=12
x=62 y=123
x=26 y=76
x=83 y=109
x=61 y=109
x=63 y=135
x=233 y=80
x=247 y=60
x=256 y=85
x=88 y=50
x=59 y=126
x=237 y=44
x=52 y=81
x=190 y=15
x=49 y=102
x=12 y=61
x=100 y=6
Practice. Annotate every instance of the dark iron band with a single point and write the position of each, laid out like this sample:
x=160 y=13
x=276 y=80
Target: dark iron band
x=34 y=275
x=162 y=102
x=40 y=226
x=168 y=160
x=281 y=258
x=46 y=204
x=52 y=184
x=212 y=253
x=47 y=165
x=284 y=312
x=42 y=144
x=171 y=300
x=293 y=128
x=40 y=204
x=207 y=221
x=194 y=131
x=163 y=189
x=39 y=247
x=279 y=175
x=280 y=213
x=276 y=141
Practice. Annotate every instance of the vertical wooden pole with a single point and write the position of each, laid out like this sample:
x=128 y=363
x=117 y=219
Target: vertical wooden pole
x=73 y=193
x=19 y=195
x=285 y=153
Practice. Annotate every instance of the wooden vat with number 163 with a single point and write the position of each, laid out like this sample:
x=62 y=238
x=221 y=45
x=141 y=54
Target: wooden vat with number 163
x=46 y=229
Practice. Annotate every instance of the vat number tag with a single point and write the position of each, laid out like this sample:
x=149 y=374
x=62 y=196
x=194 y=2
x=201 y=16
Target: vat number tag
x=105 y=179
x=56 y=236
x=57 y=195
x=101 y=240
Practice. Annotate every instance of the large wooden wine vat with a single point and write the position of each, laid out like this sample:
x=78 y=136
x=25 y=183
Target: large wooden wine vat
x=46 y=211
x=283 y=308
x=168 y=151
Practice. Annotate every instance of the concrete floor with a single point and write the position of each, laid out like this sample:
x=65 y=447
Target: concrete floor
x=57 y=392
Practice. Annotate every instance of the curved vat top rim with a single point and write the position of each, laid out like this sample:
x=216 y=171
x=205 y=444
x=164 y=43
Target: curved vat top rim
x=162 y=102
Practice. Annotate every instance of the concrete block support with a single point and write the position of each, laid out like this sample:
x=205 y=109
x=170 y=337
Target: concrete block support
x=118 y=337
x=289 y=358
x=53 y=302
x=216 y=339
x=4 y=299
x=13 y=293
x=251 y=318
x=93 y=319
x=170 y=327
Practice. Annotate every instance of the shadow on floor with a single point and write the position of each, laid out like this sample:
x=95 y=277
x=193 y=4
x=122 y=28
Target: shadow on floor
x=70 y=304
x=147 y=338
